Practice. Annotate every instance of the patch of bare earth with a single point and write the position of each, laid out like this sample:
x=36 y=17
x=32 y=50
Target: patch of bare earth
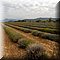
x=11 y=50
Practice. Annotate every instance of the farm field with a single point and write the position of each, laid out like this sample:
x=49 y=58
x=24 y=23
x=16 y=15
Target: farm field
x=31 y=41
x=51 y=34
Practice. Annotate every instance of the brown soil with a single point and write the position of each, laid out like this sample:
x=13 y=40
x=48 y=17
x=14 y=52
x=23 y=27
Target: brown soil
x=11 y=50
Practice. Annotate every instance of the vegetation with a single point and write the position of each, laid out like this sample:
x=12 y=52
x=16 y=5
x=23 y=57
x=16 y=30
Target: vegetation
x=49 y=28
x=36 y=52
x=16 y=37
x=23 y=43
x=35 y=49
x=12 y=34
x=20 y=28
x=36 y=24
x=49 y=20
x=36 y=33
x=54 y=37
x=49 y=36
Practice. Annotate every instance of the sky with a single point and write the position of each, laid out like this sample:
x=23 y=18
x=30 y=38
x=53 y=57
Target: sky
x=25 y=9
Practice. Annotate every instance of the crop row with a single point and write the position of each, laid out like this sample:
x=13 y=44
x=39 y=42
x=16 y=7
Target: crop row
x=24 y=44
x=54 y=37
x=20 y=28
x=51 y=25
x=48 y=30
x=34 y=51
x=16 y=37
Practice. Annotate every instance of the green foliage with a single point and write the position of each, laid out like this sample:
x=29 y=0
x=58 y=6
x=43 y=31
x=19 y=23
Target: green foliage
x=49 y=20
x=22 y=43
x=35 y=33
x=49 y=30
x=25 y=30
x=20 y=28
x=35 y=52
x=13 y=35
x=49 y=36
x=53 y=37
x=40 y=33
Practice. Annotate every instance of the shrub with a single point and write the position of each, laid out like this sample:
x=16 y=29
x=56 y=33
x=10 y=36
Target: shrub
x=22 y=43
x=55 y=31
x=35 y=33
x=35 y=52
x=13 y=35
x=41 y=34
x=49 y=30
x=25 y=30
x=20 y=28
x=50 y=36
x=16 y=38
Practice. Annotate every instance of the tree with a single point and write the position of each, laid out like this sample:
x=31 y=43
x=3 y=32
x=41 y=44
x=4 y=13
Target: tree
x=49 y=20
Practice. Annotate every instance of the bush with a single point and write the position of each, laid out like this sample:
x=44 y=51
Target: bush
x=44 y=35
x=13 y=35
x=50 y=36
x=35 y=33
x=25 y=30
x=35 y=52
x=16 y=38
x=20 y=28
x=22 y=43
x=54 y=31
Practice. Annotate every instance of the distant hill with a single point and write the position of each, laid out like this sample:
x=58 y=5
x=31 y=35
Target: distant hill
x=36 y=19
x=11 y=20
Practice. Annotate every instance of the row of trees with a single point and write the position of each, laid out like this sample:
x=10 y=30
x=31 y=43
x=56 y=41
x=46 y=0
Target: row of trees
x=49 y=20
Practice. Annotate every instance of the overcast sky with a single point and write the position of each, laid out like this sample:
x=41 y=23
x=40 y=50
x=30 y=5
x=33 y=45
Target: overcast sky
x=24 y=9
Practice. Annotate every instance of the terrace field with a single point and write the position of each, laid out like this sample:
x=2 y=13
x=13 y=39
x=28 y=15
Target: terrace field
x=31 y=40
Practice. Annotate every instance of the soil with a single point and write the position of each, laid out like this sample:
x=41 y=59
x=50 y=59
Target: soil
x=11 y=50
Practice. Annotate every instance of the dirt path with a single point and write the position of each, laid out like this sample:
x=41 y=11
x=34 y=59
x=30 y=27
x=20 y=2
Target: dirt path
x=11 y=50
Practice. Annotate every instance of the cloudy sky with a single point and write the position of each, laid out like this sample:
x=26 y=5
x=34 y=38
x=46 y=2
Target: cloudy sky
x=29 y=8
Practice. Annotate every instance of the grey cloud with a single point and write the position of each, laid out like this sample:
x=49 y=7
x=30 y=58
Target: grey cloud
x=29 y=10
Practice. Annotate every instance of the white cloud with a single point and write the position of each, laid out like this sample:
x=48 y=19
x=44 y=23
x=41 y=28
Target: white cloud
x=30 y=8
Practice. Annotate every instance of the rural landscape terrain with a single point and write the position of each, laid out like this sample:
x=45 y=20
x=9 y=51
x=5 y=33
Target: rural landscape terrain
x=31 y=40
